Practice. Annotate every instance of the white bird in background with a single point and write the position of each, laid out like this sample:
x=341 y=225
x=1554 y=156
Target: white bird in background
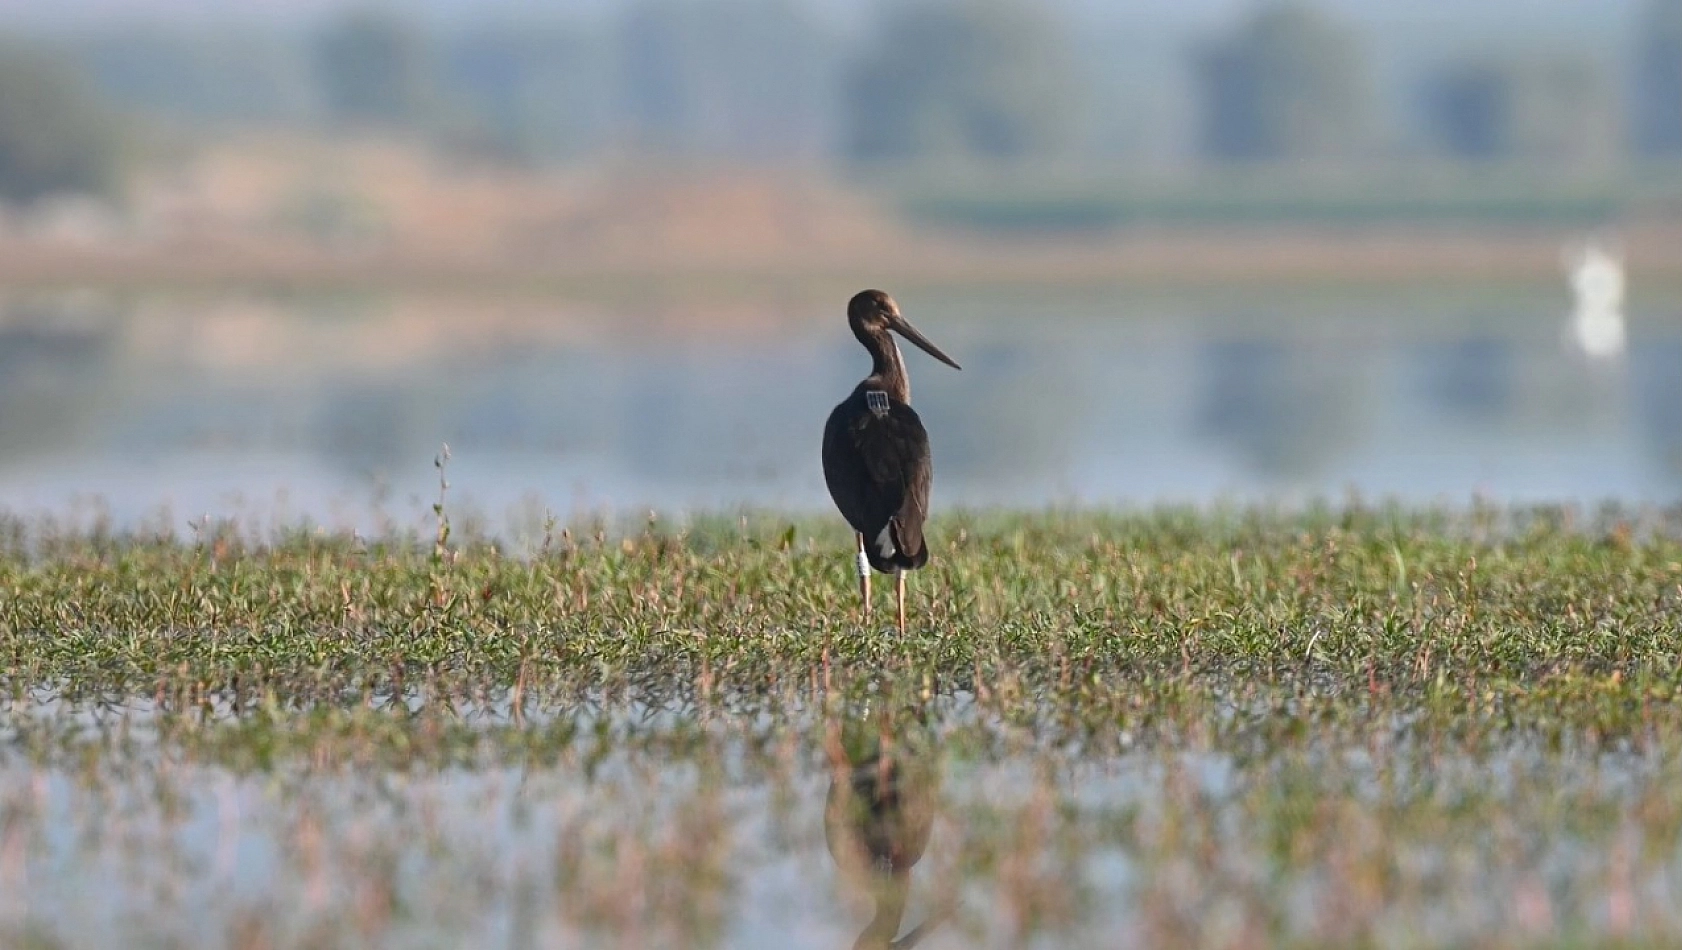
x=1597 y=281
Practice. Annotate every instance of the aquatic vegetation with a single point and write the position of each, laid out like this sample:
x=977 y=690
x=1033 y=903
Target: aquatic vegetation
x=1341 y=725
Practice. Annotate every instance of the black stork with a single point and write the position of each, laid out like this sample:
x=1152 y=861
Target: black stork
x=876 y=451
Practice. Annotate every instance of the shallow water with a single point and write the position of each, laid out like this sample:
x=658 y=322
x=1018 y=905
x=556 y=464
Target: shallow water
x=334 y=406
x=1326 y=842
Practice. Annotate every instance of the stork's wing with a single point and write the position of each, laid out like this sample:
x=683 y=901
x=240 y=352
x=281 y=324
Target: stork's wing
x=878 y=471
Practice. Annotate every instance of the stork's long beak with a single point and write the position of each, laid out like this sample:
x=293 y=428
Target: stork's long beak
x=905 y=329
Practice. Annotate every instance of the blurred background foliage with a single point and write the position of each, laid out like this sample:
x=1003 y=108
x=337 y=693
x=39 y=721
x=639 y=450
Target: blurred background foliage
x=56 y=134
x=945 y=99
x=1288 y=82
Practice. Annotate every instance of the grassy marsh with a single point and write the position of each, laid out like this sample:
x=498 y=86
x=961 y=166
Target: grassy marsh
x=1352 y=724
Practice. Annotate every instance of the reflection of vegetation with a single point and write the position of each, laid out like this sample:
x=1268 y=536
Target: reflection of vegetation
x=1011 y=414
x=48 y=354
x=1657 y=374
x=1471 y=377
x=55 y=135
x=1288 y=411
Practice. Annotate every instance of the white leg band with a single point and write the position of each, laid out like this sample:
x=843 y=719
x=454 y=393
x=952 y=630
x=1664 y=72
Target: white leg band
x=863 y=565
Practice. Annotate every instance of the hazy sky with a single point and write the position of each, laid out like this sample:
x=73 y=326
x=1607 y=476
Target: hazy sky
x=1166 y=11
x=1395 y=31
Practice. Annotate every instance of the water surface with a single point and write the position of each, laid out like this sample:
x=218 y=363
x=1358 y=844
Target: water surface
x=333 y=406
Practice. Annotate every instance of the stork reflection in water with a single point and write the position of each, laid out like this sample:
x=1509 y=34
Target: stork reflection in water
x=877 y=821
x=876 y=458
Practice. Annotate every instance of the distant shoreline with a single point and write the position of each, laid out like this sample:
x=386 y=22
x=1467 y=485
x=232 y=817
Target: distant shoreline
x=1169 y=259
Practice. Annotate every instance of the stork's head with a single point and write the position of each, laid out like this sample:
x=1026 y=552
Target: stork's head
x=872 y=313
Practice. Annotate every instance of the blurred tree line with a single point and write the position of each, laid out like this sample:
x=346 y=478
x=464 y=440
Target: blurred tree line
x=932 y=83
x=1658 y=79
x=55 y=133
x=1286 y=83
x=764 y=81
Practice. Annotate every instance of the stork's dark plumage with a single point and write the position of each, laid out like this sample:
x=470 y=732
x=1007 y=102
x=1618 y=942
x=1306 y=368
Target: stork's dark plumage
x=876 y=452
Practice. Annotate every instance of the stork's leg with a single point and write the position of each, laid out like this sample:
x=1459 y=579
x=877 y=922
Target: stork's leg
x=899 y=596
x=864 y=577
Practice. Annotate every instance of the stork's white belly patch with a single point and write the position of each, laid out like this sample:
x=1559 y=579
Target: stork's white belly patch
x=885 y=543
x=877 y=401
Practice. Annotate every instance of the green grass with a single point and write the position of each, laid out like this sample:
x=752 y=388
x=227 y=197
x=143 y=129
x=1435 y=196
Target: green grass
x=1361 y=725
x=1090 y=624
